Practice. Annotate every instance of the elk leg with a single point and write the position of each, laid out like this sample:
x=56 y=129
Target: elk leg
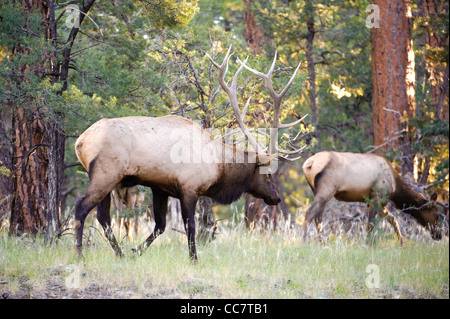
x=159 y=211
x=104 y=218
x=188 y=213
x=315 y=212
x=99 y=187
x=318 y=221
x=82 y=209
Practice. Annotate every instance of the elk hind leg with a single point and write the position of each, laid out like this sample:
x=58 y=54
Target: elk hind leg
x=97 y=191
x=315 y=212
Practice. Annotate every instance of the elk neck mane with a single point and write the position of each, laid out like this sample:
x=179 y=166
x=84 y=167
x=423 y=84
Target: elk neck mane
x=233 y=181
x=404 y=196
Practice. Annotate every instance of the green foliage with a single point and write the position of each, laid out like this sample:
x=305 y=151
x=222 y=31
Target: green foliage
x=150 y=59
x=342 y=62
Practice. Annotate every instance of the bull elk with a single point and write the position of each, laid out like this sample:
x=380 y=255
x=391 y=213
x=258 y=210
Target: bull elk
x=133 y=151
x=353 y=177
x=129 y=151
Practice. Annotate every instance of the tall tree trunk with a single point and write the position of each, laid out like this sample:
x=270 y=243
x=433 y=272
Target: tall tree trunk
x=29 y=189
x=56 y=138
x=37 y=140
x=309 y=7
x=436 y=71
x=5 y=161
x=393 y=79
x=253 y=32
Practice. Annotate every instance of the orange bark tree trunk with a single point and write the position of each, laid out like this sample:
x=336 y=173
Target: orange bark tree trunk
x=393 y=78
x=36 y=138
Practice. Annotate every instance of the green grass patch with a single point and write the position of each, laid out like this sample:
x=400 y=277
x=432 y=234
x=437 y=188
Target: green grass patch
x=238 y=264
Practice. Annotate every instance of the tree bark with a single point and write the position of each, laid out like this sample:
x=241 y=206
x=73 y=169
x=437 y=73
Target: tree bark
x=30 y=162
x=253 y=32
x=37 y=138
x=436 y=71
x=393 y=79
x=55 y=179
x=312 y=71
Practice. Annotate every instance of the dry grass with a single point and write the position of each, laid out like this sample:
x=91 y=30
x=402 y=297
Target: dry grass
x=238 y=264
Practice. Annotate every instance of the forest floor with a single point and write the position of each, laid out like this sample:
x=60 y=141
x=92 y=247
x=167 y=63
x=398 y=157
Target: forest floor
x=237 y=264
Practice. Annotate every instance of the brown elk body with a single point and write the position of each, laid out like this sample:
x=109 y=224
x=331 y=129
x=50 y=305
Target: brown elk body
x=353 y=177
x=173 y=156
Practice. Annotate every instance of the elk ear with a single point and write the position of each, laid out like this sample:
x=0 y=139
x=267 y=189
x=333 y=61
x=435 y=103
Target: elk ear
x=264 y=159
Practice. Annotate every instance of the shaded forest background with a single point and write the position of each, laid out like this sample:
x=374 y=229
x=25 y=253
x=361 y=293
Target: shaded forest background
x=66 y=64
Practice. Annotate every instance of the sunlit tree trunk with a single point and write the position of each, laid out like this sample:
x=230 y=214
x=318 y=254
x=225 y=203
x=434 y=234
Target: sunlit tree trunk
x=436 y=71
x=393 y=79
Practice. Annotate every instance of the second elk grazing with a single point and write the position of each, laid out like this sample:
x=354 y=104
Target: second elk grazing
x=353 y=177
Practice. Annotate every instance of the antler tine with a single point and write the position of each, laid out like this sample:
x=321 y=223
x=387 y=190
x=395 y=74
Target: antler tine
x=238 y=72
x=244 y=110
x=268 y=78
x=291 y=152
x=288 y=125
x=262 y=75
x=291 y=80
x=213 y=62
x=286 y=159
x=223 y=68
x=232 y=94
x=272 y=67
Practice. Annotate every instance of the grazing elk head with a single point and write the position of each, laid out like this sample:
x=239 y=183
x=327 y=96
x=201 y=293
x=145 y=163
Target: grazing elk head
x=428 y=217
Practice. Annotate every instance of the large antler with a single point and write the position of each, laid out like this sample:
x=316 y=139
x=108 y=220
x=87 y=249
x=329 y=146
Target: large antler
x=232 y=94
x=277 y=98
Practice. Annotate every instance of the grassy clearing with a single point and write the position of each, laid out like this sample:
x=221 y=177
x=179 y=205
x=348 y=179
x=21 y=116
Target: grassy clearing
x=238 y=264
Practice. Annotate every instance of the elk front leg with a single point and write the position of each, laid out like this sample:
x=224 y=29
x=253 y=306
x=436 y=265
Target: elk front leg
x=159 y=211
x=188 y=213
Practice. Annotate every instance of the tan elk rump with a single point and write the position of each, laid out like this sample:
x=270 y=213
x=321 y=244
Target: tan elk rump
x=354 y=177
